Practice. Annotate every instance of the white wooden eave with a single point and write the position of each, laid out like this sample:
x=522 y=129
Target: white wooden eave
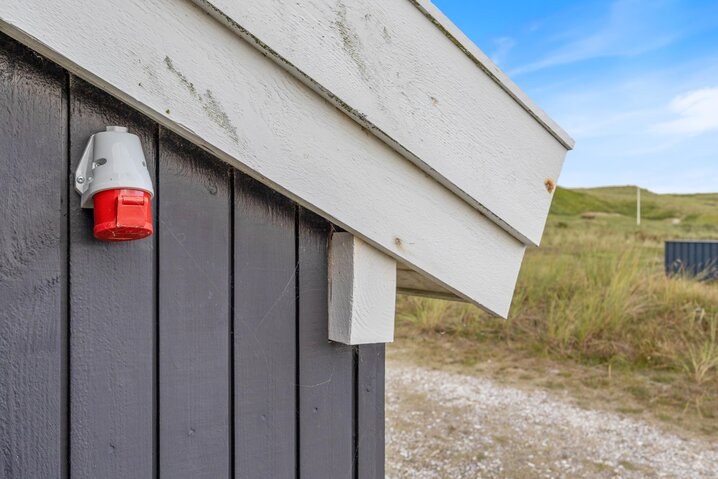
x=414 y=143
x=405 y=72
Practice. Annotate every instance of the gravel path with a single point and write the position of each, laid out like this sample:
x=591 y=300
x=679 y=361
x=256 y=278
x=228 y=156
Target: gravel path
x=443 y=425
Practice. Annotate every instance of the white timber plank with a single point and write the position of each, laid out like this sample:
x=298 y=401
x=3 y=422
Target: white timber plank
x=446 y=26
x=362 y=292
x=186 y=71
x=406 y=73
x=411 y=283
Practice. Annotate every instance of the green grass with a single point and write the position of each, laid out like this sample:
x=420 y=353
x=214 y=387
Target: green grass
x=700 y=209
x=595 y=291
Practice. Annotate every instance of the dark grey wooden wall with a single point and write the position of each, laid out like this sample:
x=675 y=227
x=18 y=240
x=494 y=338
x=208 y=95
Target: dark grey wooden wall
x=200 y=352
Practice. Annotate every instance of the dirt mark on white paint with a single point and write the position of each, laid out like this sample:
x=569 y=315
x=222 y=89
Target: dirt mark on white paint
x=212 y=108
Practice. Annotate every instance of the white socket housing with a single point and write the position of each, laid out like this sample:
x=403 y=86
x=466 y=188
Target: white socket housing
x=113 y=159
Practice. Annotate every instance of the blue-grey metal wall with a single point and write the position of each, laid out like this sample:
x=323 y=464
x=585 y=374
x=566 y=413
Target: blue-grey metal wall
x=200 y=352
x=692 y=258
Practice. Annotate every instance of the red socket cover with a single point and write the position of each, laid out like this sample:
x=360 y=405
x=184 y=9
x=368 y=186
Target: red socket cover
x=122 y=215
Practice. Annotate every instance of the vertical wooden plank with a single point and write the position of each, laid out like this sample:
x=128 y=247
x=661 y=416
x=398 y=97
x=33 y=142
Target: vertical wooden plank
x=370 y=411
x=265 y=332
x=112 y=318
x=326 y=393
x=194 y=301
x=33 y=167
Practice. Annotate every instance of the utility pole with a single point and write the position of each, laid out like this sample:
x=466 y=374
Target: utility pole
x=638 y=206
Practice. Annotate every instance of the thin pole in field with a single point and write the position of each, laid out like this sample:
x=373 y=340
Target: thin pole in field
x=638 y=206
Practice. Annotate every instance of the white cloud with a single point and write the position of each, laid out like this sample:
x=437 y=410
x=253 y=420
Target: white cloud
x=636 y=117
x=630 y=28
x=696 y=111
x=503 y=46
x=635 y=128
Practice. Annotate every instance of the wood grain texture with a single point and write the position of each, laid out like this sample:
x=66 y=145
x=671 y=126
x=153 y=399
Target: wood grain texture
x=326 y=380
x=33 y=279
x=362 y=292
x=482 y=61
x=265 y=276
x=194 y=312
x=370 y=411
x=112 y=307
x=259 y=118
x=400 y=73
x=412 y=283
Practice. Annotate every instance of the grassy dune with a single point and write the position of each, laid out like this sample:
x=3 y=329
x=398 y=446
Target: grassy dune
x=595 y=294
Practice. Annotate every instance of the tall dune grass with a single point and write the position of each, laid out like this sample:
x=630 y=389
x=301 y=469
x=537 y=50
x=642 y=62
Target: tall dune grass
x=595 y=292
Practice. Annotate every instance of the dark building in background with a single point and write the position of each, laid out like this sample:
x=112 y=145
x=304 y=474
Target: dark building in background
x=692 y=258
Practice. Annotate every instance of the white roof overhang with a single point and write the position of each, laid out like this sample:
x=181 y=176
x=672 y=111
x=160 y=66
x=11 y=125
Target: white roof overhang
x=380 y=116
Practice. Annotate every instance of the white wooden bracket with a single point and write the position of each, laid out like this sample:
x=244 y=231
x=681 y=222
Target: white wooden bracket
x=362 y=292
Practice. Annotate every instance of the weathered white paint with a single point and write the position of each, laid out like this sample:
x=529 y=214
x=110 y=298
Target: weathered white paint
x=453 y=33
x=199 y=79
x=362 y=285
x=402 y=70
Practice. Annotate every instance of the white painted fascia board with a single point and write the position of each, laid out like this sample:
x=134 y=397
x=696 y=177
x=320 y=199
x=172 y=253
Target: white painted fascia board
x=407 y=74
x=362 y=292
x=184 y=70
x=443 y=23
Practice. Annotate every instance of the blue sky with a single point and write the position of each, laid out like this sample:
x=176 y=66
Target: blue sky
x=634 y=82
